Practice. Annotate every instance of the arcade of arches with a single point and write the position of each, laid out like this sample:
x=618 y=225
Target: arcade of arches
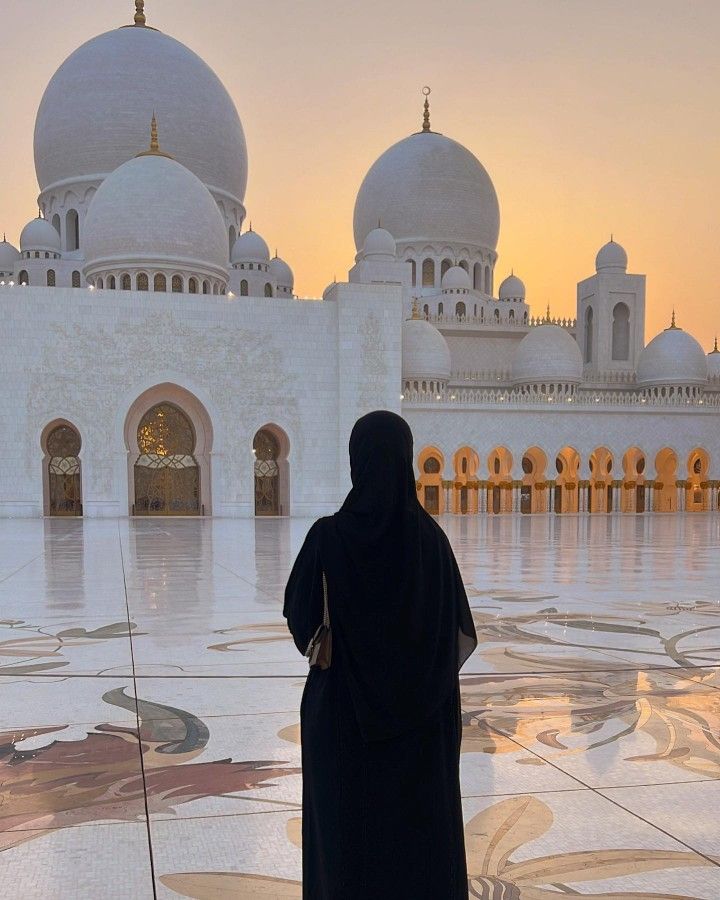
x=169 y=438
x=635 y=483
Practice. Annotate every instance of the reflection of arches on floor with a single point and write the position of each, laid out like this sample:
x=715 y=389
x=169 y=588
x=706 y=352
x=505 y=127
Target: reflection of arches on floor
x=600 y=485
x=168 y=435
x=499 y=499
x=533 y=493
x=665 y=492
x=431 y=464
x=697 y=495
x=465 y=495
x=567 y=464
x=62 y=484
x=633 y=496
x=271 y=447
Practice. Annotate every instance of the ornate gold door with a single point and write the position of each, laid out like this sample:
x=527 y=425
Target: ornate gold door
x=167 y=476
x=64 y=490
x=267 y=474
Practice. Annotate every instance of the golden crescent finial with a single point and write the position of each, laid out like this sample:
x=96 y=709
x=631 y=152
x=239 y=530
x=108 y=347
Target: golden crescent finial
x=426 y=109
x=672 y=320
x=140 y=12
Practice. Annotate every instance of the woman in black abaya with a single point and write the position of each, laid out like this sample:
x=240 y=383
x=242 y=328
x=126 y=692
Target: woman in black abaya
x=381 y=731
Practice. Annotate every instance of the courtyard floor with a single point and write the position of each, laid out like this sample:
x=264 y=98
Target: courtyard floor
x=149 y=698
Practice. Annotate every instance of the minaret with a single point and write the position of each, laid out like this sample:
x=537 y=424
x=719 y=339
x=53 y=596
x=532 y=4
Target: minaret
x=611 y=316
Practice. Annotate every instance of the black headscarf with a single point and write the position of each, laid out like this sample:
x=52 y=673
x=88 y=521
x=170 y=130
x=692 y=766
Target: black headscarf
x=399 y=614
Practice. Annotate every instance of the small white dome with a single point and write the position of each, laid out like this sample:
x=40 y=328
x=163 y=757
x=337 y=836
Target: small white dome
x=713 y=362
x=282 y=272
x=153 y=212
x=428 y=188
x=250 y=247
x=512 y=288
x=456 y=278
x=672 y=357
x=379 y=242
x=612 y=258
x=9 y=255
x=547 y=353
x=425 y=353
x=39 y=234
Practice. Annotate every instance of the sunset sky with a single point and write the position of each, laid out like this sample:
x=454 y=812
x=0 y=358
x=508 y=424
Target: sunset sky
x=591 y=118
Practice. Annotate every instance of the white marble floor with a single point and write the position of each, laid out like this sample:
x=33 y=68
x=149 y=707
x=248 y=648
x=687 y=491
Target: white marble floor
x=149 y=699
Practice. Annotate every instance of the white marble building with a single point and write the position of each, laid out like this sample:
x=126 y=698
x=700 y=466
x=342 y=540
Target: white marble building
x=156 y=360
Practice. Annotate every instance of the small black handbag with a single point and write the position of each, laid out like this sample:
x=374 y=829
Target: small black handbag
x=319 y=650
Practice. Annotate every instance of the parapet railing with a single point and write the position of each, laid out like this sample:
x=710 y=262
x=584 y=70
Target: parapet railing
x=586 y=399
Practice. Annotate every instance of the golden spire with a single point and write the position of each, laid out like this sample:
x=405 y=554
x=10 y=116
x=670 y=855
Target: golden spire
x=140 y=12
x=416 y=314
x=715 y=348
x=547 y=314
x=154 y=141
x=426 y=109
x=672 y=320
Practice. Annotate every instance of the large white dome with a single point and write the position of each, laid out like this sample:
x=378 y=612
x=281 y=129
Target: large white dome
x=547 y=353
x=429 y=188
x=95 y=111
x=425 y=353
x=672 y=357
x=150 y=213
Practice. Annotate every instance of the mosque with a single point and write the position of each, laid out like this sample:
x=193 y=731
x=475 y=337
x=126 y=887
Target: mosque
x=156 y=360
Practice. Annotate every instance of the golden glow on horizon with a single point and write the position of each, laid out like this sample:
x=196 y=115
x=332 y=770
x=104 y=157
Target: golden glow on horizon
x=590 y=118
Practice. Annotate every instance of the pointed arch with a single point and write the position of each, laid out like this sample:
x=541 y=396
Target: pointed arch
x=431 y=464
x=169 y=437
x=62 y=483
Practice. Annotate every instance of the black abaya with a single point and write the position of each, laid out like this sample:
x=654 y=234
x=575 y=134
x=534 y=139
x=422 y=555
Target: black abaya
x=382 y=817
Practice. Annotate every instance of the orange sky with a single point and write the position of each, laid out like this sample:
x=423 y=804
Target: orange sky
x=591 y=118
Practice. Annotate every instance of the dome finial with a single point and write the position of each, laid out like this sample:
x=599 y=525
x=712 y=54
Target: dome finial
x=672 y=319
x=154 y=142
x=415 y=309
x=154 y=149
x=426 y=109
x=715 y=348
x=547 y=314
x=140 y=12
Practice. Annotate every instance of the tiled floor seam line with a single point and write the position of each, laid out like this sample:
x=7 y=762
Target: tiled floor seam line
x=20 y=568
x=244 y=580
x=137 y=721
x=598 y=792
x=488 y=676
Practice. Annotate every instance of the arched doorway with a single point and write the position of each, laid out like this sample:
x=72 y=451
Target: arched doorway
x=696 y=497
x=465 y=493
x=431 y=464
x=567 y=464
x=61 y=470
x=499 y=499
x=533 y=493
x=270 y=469
x=600 y=486
x=665 y=492
x=167 y=475
x=633 y=497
